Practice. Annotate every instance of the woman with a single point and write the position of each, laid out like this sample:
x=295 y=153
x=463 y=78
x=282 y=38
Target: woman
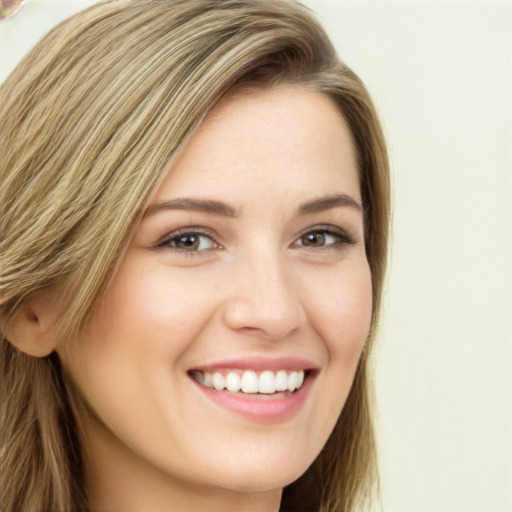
x=194 y=223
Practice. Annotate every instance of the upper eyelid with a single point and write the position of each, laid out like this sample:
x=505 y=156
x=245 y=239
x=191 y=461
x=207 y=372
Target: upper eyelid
x=321 y=227
x=331 y=229
x=196 y=230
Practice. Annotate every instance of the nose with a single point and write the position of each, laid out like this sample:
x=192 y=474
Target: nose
x=263 y=299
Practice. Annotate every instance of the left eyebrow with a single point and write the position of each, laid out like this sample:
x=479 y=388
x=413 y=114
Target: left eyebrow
x=191 y=204
x=327 y=202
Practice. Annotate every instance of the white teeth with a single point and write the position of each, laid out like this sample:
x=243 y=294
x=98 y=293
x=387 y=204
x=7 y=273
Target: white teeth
x=281 y=380
x=292 y=381
x=268 y=382
x=219 y=383
x=250 y=382
x=233 y=382
x=208 y=380
x=300 y=379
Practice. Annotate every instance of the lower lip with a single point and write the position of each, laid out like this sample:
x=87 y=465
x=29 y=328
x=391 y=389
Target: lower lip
x=265 y=408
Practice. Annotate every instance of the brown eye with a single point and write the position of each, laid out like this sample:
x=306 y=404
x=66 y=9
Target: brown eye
x=313 y=240
x=187 y=242
x=190 y=242
x=329 y=237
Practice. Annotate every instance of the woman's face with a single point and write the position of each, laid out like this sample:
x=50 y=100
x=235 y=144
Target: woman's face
x=248 y=269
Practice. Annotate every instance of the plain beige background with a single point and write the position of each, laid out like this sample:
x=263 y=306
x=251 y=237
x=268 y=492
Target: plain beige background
x=441 y=75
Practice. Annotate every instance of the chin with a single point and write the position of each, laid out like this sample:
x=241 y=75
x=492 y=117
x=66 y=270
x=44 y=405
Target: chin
x=261 y=475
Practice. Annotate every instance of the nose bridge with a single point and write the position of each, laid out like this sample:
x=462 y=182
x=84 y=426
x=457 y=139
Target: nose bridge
x=263 y=298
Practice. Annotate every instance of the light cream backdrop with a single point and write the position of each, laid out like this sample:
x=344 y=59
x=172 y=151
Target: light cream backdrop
x=441 y=75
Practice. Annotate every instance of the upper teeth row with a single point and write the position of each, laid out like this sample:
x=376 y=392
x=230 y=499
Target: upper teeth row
x=267 y=381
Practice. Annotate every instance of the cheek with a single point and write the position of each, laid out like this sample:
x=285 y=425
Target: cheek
x=346 y=312
x=153 y=310
x=122 y=364
x=343 y=321
x=137 y=324
x=341 y=312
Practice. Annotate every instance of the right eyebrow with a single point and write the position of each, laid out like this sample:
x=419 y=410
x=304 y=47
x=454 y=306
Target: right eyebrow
x=327 y=202
x=198 y=205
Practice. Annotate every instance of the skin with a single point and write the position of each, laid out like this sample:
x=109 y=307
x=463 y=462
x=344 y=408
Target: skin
x=255 y=286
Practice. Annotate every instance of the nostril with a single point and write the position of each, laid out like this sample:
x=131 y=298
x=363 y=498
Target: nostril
x=251 y=330
x=254 y=316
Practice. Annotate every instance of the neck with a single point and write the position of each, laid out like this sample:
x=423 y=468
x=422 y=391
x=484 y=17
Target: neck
x=120 y=481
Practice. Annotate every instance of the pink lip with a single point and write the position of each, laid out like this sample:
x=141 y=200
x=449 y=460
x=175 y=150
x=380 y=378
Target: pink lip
x=267 y=409
x=262 y=409
x=259 y=364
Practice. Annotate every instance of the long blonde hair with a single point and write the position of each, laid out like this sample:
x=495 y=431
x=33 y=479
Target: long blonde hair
x=91 y=120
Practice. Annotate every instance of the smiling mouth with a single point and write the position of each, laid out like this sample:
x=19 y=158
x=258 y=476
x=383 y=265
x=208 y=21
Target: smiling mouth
x=251 y=382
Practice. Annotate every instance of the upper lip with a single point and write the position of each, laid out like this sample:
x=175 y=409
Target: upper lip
x=259 y=363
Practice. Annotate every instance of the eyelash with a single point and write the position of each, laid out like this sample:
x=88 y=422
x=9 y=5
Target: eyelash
x=169 y=242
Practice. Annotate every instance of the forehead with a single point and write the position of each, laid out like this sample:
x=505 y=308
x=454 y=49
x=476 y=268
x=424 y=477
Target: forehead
x=285 y=140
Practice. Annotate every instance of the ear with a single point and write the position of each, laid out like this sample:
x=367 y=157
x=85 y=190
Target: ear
x=32 y=330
